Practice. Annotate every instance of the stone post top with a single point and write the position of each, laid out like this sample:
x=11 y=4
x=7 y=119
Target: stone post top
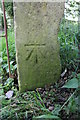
x=35 y=0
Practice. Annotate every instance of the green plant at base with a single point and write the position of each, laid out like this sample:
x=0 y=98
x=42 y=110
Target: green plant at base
x=73 y=105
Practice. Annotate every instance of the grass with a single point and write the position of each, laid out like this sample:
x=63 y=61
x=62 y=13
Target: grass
x=68 y=44
x=3 y=59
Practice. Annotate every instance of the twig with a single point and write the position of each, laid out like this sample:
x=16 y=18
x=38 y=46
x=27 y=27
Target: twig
x=67 y=101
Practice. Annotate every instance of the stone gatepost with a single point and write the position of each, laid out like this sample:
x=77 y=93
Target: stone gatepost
x=37 y=48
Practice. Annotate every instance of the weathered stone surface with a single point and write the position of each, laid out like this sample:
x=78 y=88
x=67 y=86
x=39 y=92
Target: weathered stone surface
x=36 y=26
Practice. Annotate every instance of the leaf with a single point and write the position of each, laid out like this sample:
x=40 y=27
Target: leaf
x=11 y=62
x=5 y=66
x=56 y=109
x=8 y=81
x=1 y=60
x=15 y=66
x=0 y=78
x=73 y=83
x=1 y=91
x=2 y=97
x=44 y=109
x=5 y=58
x=78 y=76
x=48 y=117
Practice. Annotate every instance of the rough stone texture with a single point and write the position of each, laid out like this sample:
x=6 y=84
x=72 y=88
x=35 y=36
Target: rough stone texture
x=38 y=60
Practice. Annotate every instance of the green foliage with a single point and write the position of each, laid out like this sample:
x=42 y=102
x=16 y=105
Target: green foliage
x=73 y=83
x=9 y=14
x=68 y=44
x=71 y=9
x=8 y=84
x=72 y=106
x=73 y=102
x=3 y=59
x=9 y=8
x=22 y=104
x=1 y=21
